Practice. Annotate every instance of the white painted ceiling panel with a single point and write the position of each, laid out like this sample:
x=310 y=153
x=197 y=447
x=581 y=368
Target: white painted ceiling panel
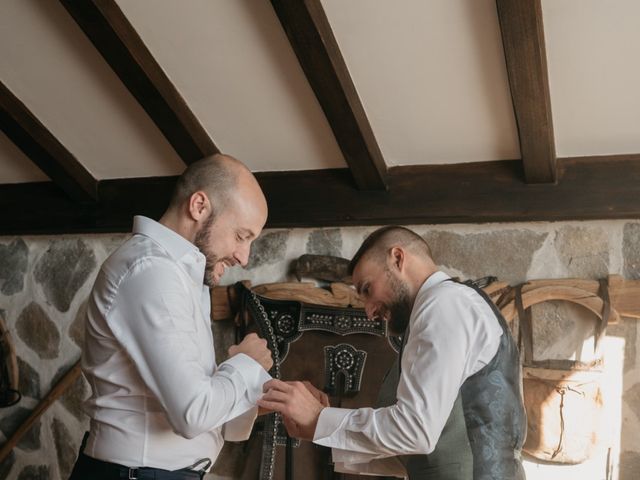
x=15 y=167
x=431 y=76
x=233 y=64
x=49 y=64
x=593 y=52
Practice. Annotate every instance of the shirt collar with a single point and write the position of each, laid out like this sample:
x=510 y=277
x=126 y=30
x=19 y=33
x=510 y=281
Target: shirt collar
x=433 y=280
x=178 y=247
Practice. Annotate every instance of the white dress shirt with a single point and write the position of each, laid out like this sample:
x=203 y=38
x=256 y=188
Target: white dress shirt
x=159 y=399
x=453 y=333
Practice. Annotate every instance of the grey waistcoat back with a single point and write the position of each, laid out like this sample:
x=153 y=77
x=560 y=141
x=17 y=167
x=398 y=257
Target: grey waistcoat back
x=484 y=433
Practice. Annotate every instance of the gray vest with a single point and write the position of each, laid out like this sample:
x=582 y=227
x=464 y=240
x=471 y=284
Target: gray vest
x=485 y=431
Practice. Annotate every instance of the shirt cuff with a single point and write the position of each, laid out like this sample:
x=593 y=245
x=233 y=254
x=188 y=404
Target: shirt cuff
x=387 y=467
x=252 y=373
x=328 y=431
x=239 y=429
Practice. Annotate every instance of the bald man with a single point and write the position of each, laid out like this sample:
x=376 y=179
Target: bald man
x=160 y=406
x=452 y=407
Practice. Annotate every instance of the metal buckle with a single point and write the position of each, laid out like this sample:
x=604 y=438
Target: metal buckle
x=133 y=474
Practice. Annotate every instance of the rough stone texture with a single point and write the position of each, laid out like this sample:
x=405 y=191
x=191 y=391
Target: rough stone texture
x=36 y=329
x=35 y=472
x=13 y=266
x=325 y=242
x=63 y=269
x=28 y=380
x=506 y=254
x=73 y=398
x=65 y=448
x=559 y=330
x=629 y=466
x=632 y=398
x=268 y=249
x=7 y=464
x=76 y=329
x=9 y=424
x=584 y=251
x=631 y=250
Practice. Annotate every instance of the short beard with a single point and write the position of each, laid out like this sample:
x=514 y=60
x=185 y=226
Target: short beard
x=400 y=306
x=201 y=241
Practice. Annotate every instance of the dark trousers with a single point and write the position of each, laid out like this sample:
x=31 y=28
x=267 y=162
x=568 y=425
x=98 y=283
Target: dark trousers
x=89 y=468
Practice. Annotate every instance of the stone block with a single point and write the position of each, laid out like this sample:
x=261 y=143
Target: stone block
x=76 y=329
x=65 y=448
x=268 y=249
x=325 y=242
x=28 y=380
x=31 y=439
x=584 y=251
x=7 y=464
x=506 y=254
x=13 y=265
x=36 y=329
x=631 y=250
x=63 y=269
x=73 y=398
x=35 y=472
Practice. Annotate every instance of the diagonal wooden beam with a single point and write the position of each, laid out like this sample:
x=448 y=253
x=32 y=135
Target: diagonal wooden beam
x=39 y=144
x=312 y=39
x=117 y=41
x=526 y=60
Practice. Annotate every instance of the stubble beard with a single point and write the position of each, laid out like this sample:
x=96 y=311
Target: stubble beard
x=400 y=306
x=211 y=259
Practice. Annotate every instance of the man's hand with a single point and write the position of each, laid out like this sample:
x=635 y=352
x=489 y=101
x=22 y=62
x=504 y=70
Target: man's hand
x=300 y=404
x=256 y=348
x=319 y=394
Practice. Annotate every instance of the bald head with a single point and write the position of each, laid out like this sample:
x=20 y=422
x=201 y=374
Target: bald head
x=219 y=176
x=377 y=245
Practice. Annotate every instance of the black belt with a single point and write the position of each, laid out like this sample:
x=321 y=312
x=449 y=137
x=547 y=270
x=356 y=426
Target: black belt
x=122 y=472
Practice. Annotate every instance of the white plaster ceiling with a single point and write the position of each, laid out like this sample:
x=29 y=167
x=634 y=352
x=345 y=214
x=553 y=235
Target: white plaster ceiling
x=430 y=74
x=50 y=65
x=15 y=166
x=234 y=66
x=593 y=52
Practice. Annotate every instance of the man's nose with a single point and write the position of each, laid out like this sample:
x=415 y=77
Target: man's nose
x=242 y=254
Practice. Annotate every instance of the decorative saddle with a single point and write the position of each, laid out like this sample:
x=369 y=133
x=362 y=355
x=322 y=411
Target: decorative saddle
x=339 y=350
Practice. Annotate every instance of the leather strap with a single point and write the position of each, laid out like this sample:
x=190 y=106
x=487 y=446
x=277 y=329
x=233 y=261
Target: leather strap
x=526 y=327
x=601 y=329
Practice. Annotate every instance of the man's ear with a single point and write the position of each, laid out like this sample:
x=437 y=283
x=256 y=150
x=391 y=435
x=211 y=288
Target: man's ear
x=199 y=206
x=397 y=257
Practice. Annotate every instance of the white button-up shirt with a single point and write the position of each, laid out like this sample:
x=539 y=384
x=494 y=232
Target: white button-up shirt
x=159 y=399
x=453 y=333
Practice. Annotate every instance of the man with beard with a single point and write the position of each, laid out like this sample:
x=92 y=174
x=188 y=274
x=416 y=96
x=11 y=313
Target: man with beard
x=160 y=406
x=451 y=407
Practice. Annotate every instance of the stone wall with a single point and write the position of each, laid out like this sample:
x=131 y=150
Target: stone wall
x=44 y=283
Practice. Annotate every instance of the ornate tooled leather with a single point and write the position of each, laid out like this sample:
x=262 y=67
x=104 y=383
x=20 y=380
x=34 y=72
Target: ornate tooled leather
x=337 y=349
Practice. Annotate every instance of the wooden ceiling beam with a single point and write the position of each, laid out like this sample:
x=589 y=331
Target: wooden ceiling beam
x=313 y=42
x=526 y=61
x=114 y=37
x=22 y=127
x=588 y=188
